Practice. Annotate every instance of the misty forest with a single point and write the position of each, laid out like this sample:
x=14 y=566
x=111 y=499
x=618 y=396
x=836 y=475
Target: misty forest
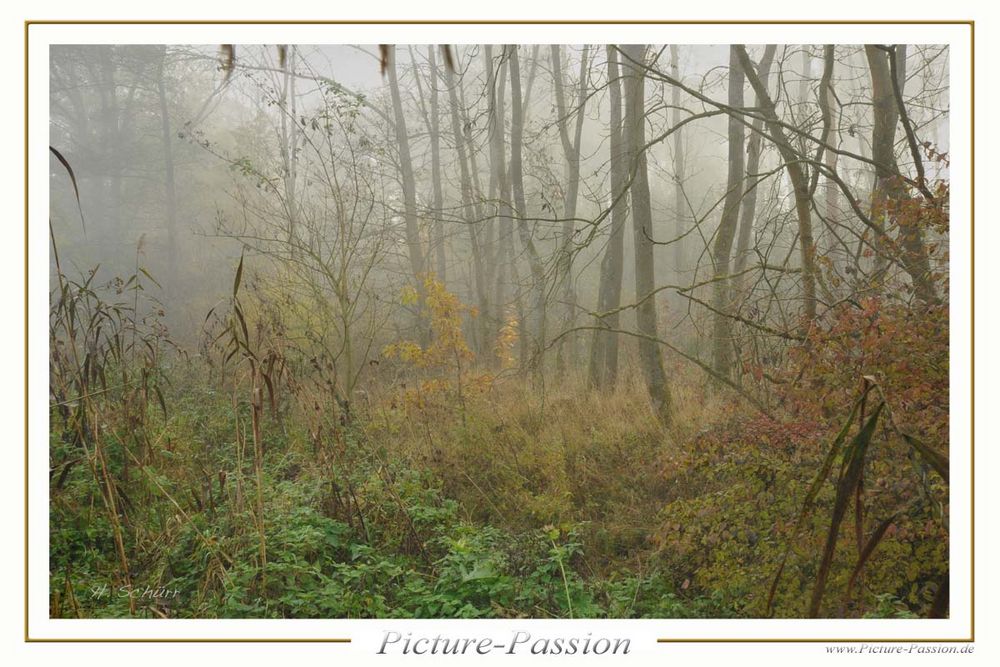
x=473 y=330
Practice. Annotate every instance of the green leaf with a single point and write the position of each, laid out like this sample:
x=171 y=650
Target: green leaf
x=933 y=458
x=814 y=488
x=866 y=553
x=239 y=277
x=72 y=178
x=146 y=273
x=850 y=474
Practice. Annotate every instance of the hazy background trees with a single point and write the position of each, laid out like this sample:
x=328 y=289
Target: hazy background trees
x=762 y=186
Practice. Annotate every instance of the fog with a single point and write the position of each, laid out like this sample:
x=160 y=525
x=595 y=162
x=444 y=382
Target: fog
x=195 y=160
x=555 y=329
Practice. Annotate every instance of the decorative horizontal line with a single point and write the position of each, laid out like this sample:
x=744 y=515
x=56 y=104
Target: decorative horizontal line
x=195 y=640
x=811 y=640
x=492 y=22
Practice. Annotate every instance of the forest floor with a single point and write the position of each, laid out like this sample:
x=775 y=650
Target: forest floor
x=501 y=501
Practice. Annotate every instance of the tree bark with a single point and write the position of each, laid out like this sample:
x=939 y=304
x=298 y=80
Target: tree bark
x=535 y=326
x=680 y=206
x=468 y=203
x=603 y=369
x=413 y=245
x=650 y=356
x=800 y=185
x=170 y=189
x=890 y=191
x=571 y=153
x=441 y=261
x=723 y=245
x=749 y=209
x=498 y=175
x=831 y=192
x=289 y=127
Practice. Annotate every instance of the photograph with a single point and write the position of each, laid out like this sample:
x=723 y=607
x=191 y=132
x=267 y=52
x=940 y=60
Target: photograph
x=498 y=330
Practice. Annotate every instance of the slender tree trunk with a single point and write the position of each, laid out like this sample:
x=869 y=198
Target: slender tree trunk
x=680 y=205
x=826 y=237
x=529 y=86
x=413 y=245
x=886 y=187
x=289 y=128
x=800 y=185
x=112 y=144
x=642 y=226
x=498 y=174
x=485 y=228
x=472 y=219
x=603 y=370
x=749 y=210
x=890 y=191
x=441 y=262
x=535 y=326
x=831 y=192
x=170 y=190
x=723 y=245
x=803 y=97
x=571 y=153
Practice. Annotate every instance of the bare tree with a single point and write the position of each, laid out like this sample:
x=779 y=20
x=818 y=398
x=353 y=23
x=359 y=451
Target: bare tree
x=800 y=184
x=499 y=179
x=169 y=183
x=470 y=206
x=642 y=226
x=571 y=153
x=535 y=327
x=603 y=369
x=754 y=148
x=413 y=245
x=288 y=144
x=890 y=190
x=680 y=206
x=723 y=245
x=437 y=197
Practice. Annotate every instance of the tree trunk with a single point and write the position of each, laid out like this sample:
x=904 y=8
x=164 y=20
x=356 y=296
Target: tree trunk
x=571 y=153
x=826 y=236
x=413 y=246
x=749 y=209
x=535 y=326
x=507 y=286
x=441 y=263
x=170 y=190
x=472 y=219
x=680 y=205
x=289 y=128
x=642 y=226
x=723 y=245
x=890 y=191
x=802 y=105
x=485 y=227
x=498 y=176
x=800 y=185
x=831 y=191
x=603 y=370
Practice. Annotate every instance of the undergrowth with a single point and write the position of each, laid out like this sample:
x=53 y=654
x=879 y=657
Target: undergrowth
x=466 y=491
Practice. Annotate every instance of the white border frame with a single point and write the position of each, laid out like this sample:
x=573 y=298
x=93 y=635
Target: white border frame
x=643 y=633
